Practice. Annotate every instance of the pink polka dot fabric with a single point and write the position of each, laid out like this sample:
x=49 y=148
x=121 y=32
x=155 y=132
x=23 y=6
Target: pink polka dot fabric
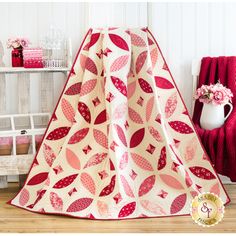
x=120 y=143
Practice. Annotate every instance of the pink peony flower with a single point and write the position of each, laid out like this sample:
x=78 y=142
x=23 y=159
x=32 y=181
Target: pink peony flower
x=17 y=42
x=218 y=97
x=216 y=94
x=24 y=42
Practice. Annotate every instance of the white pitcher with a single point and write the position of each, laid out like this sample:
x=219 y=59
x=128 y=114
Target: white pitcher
x=213 y=115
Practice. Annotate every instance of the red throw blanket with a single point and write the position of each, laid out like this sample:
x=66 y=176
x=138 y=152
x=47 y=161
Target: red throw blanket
x=219 y=143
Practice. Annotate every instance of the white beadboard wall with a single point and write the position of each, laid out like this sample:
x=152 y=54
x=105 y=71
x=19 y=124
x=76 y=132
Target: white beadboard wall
x=192 y=30
x=183 y=30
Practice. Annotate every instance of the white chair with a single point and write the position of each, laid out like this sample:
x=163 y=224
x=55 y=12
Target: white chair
x=196 y=66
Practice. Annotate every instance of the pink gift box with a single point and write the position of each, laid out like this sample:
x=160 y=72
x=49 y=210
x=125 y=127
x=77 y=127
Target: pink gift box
x=6 y=141
x=32 y=50
x=23 y=140
x=33 y=57
x=19 y=140
x=33 y=63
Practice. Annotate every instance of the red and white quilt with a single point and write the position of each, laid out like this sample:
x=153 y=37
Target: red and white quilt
x=120 y=143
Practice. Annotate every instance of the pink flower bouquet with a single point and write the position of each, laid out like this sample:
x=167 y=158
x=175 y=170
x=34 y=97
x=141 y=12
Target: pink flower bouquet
x=216 y=94
x=18 y=43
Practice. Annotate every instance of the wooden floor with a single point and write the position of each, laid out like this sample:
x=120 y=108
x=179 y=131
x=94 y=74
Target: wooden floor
x=13 y=219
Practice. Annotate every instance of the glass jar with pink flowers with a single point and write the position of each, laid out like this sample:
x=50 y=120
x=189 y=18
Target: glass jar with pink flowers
x=17 y=45
x=214 y=98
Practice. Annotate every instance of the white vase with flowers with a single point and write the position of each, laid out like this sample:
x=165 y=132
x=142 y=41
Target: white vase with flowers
x=214 y=98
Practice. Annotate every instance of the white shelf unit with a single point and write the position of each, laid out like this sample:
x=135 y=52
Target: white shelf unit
x=15 y=126
x=16 y=70
x=46 y=104
x=14 y=166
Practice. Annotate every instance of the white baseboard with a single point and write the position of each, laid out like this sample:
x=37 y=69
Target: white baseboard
x=13 y=178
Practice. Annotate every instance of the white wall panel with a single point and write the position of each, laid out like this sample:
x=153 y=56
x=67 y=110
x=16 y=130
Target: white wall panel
x=174 y=40
x=158 y=25
x=201 y=27
x=3 y=59
x=188 y=49
x=204 y=29
x=229 y=28
x=33 y=20
x=183 y=30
